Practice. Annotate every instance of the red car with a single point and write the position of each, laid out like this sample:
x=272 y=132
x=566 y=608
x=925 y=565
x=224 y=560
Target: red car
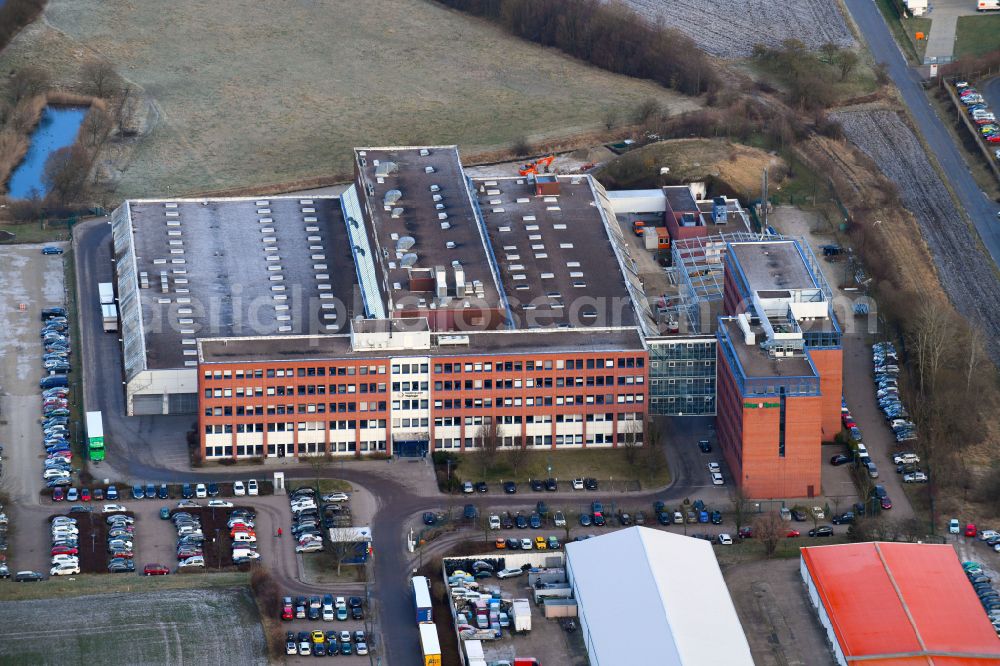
x=287 y=612
x=155 y=570
x=64 y=550
x=970 y=530
x=993 y=138
x=85 y=495
x=886 y=503
x=124 y=554
x=58 y=495
x=793 y=533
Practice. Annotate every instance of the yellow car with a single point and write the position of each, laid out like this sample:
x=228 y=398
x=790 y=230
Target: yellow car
x=318 y=637
x=540 y=543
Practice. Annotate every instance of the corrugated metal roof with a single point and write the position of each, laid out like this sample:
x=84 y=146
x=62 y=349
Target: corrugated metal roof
x=893 y=602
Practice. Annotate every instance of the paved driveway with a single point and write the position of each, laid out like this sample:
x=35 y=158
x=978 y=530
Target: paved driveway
x=944 y=16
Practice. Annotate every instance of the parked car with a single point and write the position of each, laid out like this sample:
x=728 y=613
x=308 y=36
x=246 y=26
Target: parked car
x=155 y=570
x=821 y=531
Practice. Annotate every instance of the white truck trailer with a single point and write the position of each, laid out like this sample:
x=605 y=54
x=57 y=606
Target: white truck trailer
x=522 y=615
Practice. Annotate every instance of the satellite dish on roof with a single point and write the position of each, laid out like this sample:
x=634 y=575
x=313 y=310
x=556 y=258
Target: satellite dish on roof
x=405 y=243
x=409 y=259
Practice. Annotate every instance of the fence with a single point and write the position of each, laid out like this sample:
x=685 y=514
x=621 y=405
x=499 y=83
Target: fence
x=974 y=130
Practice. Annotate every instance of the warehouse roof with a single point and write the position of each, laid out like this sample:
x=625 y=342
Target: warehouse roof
x=555 y=256
x=679 y=609
x=769 y=265
x=890 y=602
x=238 y=266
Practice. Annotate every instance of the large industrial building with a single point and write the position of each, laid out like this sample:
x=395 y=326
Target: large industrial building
x=652 y=598
x=898 y=603
x=424 y=309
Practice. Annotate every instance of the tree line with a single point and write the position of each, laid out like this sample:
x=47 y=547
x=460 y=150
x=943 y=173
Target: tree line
x=611 y=37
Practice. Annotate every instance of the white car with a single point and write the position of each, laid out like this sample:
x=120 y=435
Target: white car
x=717 y=479
x=577 y=484
x=509 y=573
x=986 y=535
x=494 y=522
x=714 y=467
x=309 y=547
x=200 y=491
x=818 y=512
x=291 y=647
x=335 y=497
x=58 y=560
x=917 y=477
x=245 y=554
x=559 y=519
x=905 y=458
x=55 y=474
x=467 y=487
x=221 y=504
x=64 y=570
x=954 y=527
x=725 y=540
x=252 y=487
x=240 y=490
x=361 y=648
x=63 y=520
x=195 y=561
x=65 y=529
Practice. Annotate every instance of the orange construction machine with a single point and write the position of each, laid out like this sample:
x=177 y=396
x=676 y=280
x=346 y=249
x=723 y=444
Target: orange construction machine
x=538 y=166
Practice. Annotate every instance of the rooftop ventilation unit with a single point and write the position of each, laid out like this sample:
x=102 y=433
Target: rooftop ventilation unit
x=442 y=216
x=405 y=243
x=450 y=245
x=391 y=198
x=428 y=169
x=383 y=169
x=396 y=213
x=459 y=279
x=435 y=188
x=424 y=152
x=437 y=197
x=408 y=260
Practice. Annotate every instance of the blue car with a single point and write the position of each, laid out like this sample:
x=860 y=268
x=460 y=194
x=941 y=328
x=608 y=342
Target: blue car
x=585 y=520
x=51 y=249
x=138 y=492
x=112 y=493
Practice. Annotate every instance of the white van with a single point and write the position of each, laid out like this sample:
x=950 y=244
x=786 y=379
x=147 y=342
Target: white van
x=244 y=537
x=245 y=553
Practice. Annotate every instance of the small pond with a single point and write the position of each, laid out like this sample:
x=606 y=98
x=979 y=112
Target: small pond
x=56 y=129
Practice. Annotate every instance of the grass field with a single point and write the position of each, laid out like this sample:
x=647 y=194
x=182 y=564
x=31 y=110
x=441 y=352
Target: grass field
x=603 y=464
x=243 y=94
x=190 y=626
x=977 y=34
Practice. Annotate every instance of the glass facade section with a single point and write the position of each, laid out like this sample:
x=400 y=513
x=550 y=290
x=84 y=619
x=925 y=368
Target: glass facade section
x=682 y=376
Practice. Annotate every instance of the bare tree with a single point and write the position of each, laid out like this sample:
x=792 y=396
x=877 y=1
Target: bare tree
x=934 y=342
x=66 y=173
x=96 y=126
x=517 y=456
x=975 y=348
x=740 y=507
x=488 y=437
x=847 y=60
x=99 y=77
x=610 y=118
x=343 y=545
x=28 y=82
x=630 y=441
x=769 y=529
x=124 y=110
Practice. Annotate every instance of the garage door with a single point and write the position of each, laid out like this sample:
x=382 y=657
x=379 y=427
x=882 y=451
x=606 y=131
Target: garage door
x=182 y=403
x=146 y=405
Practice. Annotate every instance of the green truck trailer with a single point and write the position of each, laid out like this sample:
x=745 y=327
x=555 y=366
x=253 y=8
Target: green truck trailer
x=95 y=436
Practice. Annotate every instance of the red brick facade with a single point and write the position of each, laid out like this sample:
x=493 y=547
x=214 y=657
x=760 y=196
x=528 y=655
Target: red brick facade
x=355 y=406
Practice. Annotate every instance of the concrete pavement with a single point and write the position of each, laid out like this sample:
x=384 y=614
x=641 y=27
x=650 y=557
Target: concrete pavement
x=944 y=21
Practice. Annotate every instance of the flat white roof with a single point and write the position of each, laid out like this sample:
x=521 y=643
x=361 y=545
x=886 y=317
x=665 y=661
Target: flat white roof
x=679 y=609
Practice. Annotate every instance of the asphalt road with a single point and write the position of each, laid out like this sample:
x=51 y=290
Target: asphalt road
x=981 y=210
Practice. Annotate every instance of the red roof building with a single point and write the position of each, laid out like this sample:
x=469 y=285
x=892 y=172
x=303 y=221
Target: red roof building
x=898 y=603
